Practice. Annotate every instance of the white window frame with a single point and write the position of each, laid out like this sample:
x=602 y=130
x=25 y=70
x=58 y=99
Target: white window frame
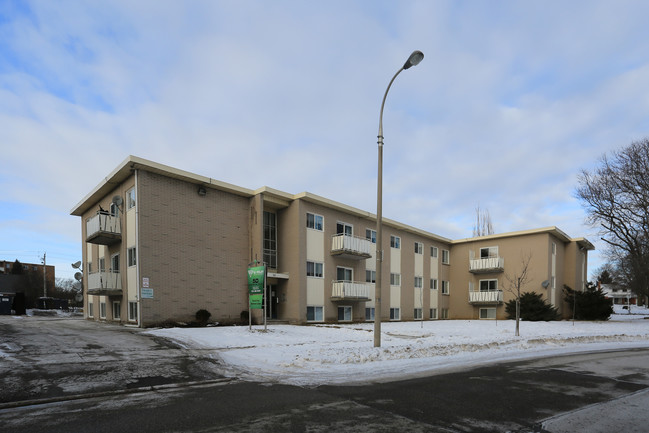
x=489 y=314
x=370 y=276
x=446 y=257
x=316 y=317
x=395 y=242
x=419 y=282
x=488 y=252
x=446 y=287
x=114 y=260
x=488 y=283
x=433 y=252
x=347 y=312
x=370 y=235
x=117 y=310
x=347 y=229
x=433 y=283
x=433 y=313
x=395 y=313
x=130 y=198
x=369 y=314
x=346 y=270
x=91 y=309
x=316 y=223
x=444 y=313
x=102 y=310
x=419 y=247
x=317 y=271
x=132 y=311
x=395 y=279
x=418 y=314
x=132 y=257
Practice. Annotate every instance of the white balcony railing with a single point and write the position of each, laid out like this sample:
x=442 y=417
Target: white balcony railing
x=351 y=246
x=104 y=226
x=351 y=290
x=103 y=280
x=486 y=297
x=492 y=264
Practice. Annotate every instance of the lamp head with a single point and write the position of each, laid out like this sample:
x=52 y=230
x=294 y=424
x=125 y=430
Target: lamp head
x=415 y=58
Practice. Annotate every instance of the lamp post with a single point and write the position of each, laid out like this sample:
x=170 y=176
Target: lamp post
x=413 y=60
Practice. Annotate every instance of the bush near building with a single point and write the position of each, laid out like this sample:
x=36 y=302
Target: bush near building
x=590 y=304
x=533 y=308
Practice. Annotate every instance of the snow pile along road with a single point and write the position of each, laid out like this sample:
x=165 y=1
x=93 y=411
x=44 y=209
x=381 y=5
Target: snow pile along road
x=336 y=354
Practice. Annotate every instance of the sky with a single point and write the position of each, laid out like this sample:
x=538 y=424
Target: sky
x=510 y=102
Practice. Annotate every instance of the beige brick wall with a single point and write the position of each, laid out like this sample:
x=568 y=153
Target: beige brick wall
x=194 y=250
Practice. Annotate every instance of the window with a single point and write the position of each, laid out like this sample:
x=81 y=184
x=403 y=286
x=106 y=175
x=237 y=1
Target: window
x=344 y=228
x=345 y=313
x=394 y=314
x=395 y=279
x=270 y=239
x=370 y=276
x=89 y=267
x=114 y=262
x=488 y=285
x=131 y=256
x=487 y=313
x=433 y=283
x=446 y=257
x=444 y=313
x=314 y=269
x=395 y=242
x=132 y=311
x=102 y=264
x=433 y=313
x=102 y=310
x=370 y=235
x=369 y=313
x=314 y=221
x=314 y=313
x=433 y=252
x=445 y=288
x=114 y=210
x=91 y=310
x=419 y=248
x=419 y=282
x=130 y=199
x=418 y=314
x=117 y=313
x=344 y=274
x=489 y=252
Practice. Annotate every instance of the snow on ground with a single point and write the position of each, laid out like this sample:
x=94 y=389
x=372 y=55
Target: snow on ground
x=344 y=354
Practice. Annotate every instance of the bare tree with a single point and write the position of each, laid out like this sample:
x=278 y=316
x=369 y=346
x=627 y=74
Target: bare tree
x=516 y=282
x=615 y=196
x=483 y=226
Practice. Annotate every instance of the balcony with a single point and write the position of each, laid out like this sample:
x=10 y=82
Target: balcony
x=351 y=247
x=103 y=229
x=486 y=297
x=105 y=283
x=488 y=265
x=350 y=291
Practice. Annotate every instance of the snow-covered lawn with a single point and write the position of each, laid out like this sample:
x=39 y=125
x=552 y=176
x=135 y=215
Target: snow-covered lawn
x=337 y=354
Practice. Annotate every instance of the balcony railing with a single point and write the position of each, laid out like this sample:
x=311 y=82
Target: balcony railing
x=351 y=247
x=350 y=291
x=105 y=283
x=491 y=264
x=486 y=297
x=103 y=229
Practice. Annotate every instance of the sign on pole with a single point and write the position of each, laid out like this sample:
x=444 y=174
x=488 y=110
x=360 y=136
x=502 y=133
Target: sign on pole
x=256 y=284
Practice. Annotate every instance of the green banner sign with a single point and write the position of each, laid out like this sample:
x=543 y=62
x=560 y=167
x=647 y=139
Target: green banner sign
x=256 y=284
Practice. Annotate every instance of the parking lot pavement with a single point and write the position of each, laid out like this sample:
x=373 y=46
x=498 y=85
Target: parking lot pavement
x=49 y=357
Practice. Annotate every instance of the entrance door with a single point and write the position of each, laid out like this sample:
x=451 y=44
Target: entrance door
x=273 y=299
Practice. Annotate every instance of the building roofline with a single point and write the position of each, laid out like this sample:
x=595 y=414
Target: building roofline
x=553 y=230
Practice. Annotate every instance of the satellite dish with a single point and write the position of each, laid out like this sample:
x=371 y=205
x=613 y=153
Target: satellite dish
x=545 y=284
x=76 y=265
x=78 y=276
x=117 y=200
x=76 y=285
x=79 y=297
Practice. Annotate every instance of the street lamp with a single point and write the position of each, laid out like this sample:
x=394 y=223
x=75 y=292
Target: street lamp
x=413 y=60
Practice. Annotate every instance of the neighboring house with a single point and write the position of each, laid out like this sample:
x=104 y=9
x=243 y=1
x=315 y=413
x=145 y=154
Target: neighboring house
x=160 y=243
x=619 y=295
x=30 y=269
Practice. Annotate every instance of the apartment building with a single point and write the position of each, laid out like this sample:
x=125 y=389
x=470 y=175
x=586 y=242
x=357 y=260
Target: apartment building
x=160 y=243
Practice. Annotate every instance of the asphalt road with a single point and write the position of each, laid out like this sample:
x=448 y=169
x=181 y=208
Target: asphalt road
x=604 y=391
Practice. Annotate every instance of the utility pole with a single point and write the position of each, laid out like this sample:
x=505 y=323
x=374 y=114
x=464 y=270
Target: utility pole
x=44 y=279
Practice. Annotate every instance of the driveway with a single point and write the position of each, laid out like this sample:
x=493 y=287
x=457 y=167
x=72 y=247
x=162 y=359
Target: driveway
x=51 y=357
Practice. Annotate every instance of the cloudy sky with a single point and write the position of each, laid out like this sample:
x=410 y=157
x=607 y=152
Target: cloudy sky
x=511 y=101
